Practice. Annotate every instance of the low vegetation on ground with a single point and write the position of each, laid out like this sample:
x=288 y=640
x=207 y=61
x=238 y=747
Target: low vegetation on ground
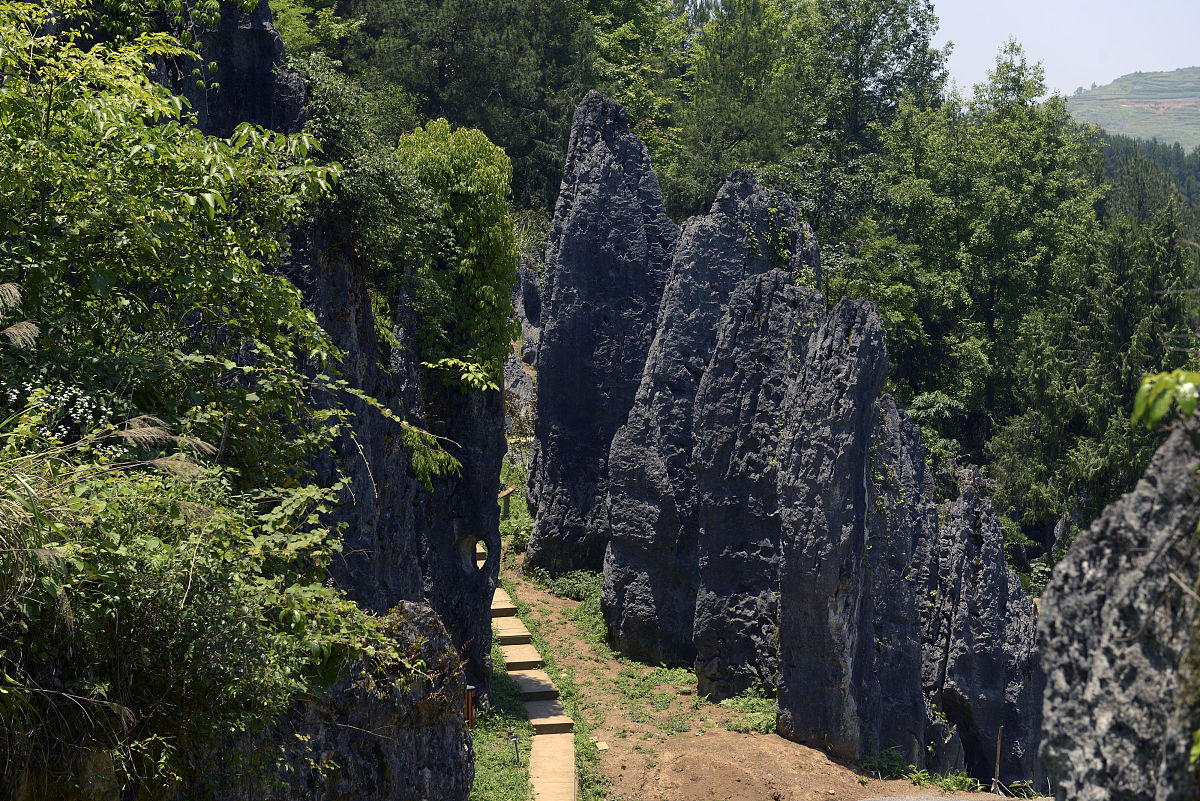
x=502 y=738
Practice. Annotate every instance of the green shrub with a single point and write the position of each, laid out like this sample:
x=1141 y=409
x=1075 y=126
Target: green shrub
x=464 y=292
x=157 y=615
x=757 y=708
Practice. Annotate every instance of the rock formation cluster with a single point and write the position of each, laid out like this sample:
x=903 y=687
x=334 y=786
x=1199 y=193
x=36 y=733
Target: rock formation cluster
x=765 y=513
x=1119 y=645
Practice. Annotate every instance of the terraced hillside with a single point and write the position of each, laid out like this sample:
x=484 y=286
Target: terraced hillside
x=1147 y=105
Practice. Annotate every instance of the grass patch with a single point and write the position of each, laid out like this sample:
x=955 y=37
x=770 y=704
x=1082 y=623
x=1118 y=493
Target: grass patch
x=584 y=586
x=756 y=710
x=891 y=764
x=515 y=528
x=498 y=774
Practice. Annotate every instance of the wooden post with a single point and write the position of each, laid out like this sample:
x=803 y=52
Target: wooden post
x=996 y=776
x=471 y=706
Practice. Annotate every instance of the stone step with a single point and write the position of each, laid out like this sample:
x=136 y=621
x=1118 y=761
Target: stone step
x=521 y=657
x=548 y=717
x=502 y=605
x=480 y=551
x=535 y=685
x=552 y=767
x=511 y=631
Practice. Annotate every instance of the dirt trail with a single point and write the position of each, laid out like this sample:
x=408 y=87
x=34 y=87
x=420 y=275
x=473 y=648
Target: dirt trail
x=660 y=742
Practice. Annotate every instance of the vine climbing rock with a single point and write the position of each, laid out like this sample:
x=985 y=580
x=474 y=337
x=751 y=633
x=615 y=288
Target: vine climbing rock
x=825 y=644
x=611 y=244
x=252 y=82
x=651 y=567
x=1119 y=644
x=760 y=339
x=395 y=732
x=981 y=666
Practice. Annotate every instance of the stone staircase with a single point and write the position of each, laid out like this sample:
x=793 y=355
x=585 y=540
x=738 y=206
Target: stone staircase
x=552 y=757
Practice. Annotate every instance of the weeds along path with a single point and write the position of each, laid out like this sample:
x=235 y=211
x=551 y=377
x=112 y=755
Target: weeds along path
x=642 y=734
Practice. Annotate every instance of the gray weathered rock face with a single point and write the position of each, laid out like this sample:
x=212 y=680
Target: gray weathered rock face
x=611 y=243
x=1118 y=642
x=824 y=586
x=254 y=85
x=760 y=340
x=902 y=526
x=650 y=569
x=461 y=511
x=527 y=306
x=981 y=666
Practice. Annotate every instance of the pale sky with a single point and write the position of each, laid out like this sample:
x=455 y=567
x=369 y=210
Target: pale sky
x=1077 y=42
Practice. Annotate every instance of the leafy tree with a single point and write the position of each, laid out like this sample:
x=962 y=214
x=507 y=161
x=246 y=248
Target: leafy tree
x=464 y=292
x=1083 y=354
x=513 y=69
x=738 y=88
x=878 y=51
x=162 y=557
x=995 y=195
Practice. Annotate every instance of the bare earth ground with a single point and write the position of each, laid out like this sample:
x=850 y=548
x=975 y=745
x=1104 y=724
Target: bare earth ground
x=666 y=744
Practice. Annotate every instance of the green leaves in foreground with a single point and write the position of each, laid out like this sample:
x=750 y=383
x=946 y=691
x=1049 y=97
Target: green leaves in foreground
x=1158 y=392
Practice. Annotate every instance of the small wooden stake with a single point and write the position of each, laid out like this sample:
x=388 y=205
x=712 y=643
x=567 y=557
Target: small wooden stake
x=996 y=777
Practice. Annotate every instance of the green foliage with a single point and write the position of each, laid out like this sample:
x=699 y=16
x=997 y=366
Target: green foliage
x=463 y=294
x=513 y=69
x=1160 y=392
x=757 y=709
x=150 y=615
x=891 y=764
x=162 y=592
x=886 y=764
x=516 y=526
x=136 y=242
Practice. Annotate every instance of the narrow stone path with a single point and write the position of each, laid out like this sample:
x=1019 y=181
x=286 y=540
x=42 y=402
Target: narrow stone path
x=552 y=757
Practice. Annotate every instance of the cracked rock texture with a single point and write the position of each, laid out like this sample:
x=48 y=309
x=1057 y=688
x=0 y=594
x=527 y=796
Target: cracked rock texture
x=902 y=525
x=611 y=244
x=760 y=340
x=981 y=668
x=825 y=655
x=1118 y=641
x=650 y=568
x=768 y=514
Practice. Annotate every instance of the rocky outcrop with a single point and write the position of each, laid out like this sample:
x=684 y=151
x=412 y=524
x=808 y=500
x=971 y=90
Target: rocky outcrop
x=825 y=653
x=650 y=569
x=738 y=404
x=252 y=83
x=1119 y=645
x=394 y=733
x=527 y=306
x=462 y=511
x=902 y=525
x=770 y=514
x=610 y=246
x=981 y=669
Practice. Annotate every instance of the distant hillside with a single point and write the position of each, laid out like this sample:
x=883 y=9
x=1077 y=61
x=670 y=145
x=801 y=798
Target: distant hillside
x=1146 y=105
